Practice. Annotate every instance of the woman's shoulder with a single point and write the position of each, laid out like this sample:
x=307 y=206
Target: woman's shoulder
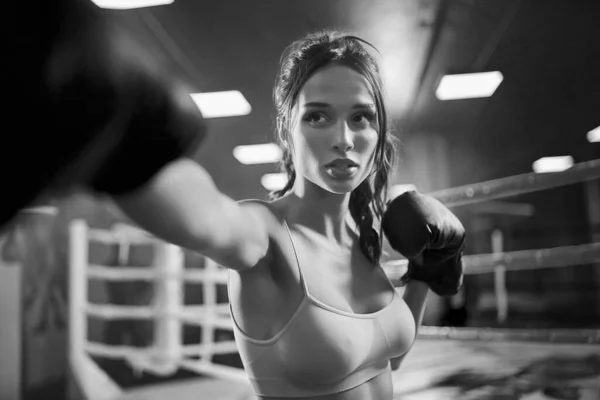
x=272 y=213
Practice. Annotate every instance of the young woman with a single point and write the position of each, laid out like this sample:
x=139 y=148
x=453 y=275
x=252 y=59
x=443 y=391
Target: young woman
x=315 y=315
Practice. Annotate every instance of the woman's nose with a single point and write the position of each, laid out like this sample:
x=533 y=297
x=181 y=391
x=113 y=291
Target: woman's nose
x=343 y=138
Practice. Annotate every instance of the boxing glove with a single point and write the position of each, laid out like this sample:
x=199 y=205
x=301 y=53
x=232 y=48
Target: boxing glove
x=421 y=228
x=133 y=115
x=93 y=106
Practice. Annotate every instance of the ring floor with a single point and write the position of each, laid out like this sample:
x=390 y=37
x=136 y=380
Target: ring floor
x=444 y=370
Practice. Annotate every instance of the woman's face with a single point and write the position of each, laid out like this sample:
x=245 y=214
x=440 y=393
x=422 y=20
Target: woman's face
x=335 y=130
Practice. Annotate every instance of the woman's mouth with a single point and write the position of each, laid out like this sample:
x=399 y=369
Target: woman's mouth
x=342 y=172
x=341 y=168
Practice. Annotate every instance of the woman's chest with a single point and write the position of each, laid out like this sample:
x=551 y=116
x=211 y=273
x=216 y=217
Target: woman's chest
x=327 y=344
x=343 y=279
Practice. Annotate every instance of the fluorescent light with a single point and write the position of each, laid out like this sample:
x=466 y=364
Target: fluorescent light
x=129 y=4
x=274 y=181
x=468 y=86
x=552 y=164
x=593 y=136
x=222 y=104
x=258 y=153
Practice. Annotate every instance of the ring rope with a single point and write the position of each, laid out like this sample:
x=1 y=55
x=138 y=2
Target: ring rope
x=129 y=352
x=193 y=315
x=566 y=256
x=517 y=185
x=521 y=260
x=150 y=274
x=110 y=237
x=558 y=336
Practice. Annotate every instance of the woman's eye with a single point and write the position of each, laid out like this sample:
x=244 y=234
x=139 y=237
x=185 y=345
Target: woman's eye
x=363 y=118
x=315 y=118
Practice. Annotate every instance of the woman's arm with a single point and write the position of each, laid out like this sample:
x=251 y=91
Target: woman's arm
x=415 y=296
x=182 y=205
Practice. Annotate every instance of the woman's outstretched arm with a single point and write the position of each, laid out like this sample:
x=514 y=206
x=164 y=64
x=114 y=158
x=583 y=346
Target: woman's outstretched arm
x=182 y=205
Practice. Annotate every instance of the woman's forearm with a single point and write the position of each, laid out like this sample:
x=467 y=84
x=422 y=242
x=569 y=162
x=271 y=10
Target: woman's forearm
x=415 y=296
x=182 y=205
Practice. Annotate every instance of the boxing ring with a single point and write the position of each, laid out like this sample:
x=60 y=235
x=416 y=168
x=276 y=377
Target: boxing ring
x=445 y=363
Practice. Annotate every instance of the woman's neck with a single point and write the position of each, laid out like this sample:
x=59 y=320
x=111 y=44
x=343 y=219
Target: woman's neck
x=324 y=212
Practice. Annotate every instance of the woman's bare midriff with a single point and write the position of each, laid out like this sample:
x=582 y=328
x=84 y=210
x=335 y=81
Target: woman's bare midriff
x=378 y=388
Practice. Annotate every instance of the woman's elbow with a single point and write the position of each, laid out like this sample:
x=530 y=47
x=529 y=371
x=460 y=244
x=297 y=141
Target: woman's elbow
x=237 y=244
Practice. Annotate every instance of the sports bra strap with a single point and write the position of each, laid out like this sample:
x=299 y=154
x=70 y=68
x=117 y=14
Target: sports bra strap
x=300 y=272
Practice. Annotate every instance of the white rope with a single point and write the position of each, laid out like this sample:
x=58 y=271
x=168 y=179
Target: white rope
x=517 y=185
x=558 y=336
x=110 y=237
x=127 y=352
x=149 y=274
x=192 y=315
x=567 y=256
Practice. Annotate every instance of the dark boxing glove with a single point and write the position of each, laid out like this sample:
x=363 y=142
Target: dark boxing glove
x=94 y=107
x=132 y=114
x=419 y=225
